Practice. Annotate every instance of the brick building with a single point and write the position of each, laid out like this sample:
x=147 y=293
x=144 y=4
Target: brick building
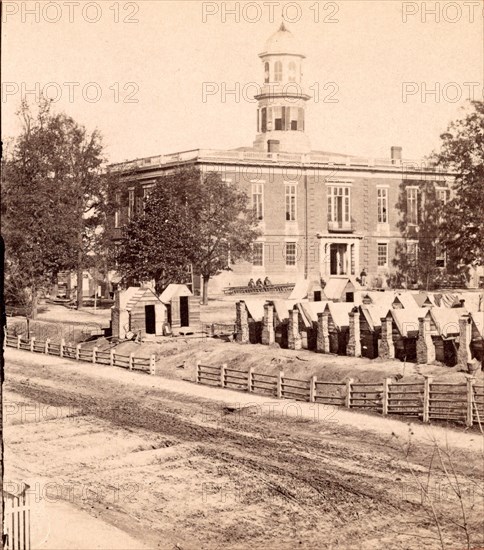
x=321 y=214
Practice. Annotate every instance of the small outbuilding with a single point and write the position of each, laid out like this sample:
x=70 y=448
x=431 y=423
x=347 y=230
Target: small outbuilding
x=339 y=289
x=137 y=310
x=183 y=308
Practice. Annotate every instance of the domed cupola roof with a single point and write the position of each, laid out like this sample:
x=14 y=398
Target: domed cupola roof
x=282 y=42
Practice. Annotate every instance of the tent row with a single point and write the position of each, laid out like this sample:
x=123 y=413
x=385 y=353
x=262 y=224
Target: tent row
x=389 y=325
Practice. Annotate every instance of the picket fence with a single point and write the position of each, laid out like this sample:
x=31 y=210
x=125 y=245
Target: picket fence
x=17 y=520
x=427 y=400
x=94 y=355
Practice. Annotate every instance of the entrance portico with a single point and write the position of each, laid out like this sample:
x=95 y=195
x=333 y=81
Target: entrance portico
x=339 y=255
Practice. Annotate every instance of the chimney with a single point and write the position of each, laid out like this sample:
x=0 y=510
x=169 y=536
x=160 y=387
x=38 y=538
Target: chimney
x=396 y=155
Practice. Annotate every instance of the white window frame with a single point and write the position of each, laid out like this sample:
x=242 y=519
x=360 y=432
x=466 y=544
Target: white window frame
x=412 y=199
x=413 y=243
x=378 y=245
x=343 y=191
x=382 y=205
x=258 y=199
x=290 y=201
x=286 y=255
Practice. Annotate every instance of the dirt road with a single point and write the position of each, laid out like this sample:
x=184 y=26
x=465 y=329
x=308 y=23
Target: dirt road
x=178 y=470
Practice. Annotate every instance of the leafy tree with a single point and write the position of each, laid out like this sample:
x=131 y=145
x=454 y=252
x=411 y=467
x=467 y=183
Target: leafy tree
x=227 y=228
x=416 y=257
x=462 y=151
x=188 y=219
x=158 y=244
x=53 y=200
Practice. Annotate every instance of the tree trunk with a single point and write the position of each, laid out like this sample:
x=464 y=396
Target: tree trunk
x=79 y=286
x=79 y=272
x=205 y=290
x=34 y=305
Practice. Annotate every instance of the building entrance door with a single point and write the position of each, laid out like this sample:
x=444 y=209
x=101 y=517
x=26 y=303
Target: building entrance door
x=184 y=312
x=338 y=260
x=150 y=324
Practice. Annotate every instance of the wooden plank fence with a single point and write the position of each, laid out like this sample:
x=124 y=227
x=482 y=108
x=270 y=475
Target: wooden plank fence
x=78 y=353
x=427 y=400
x=17 y=520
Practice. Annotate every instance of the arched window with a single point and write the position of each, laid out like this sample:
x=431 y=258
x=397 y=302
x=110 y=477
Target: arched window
x=266 y=72
x=292 y=71
x=278 y=71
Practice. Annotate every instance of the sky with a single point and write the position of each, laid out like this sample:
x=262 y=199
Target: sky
x=388 y=73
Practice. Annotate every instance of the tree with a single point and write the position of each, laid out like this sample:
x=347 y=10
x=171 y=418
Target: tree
x=417 y=257
x=158 y=243
x=227 y=228
x=188 y=219
x=54 y=198
x=462 y=151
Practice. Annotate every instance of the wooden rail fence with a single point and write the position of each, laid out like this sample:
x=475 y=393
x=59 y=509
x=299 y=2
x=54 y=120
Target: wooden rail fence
x=78 y=353
x=427 y=400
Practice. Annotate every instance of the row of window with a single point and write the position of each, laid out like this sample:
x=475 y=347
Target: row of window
x=290 y=254
x=339 y=203
x=277 y=74
x=280 y=118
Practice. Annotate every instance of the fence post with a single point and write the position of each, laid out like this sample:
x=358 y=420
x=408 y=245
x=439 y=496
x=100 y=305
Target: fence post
x=426 y=399
x=198 y=372
x=78 y=351
x=348 y=393
x=470 y=401
x=111 y=357
x=222 y=374
x=280 y=377
x=312 y=389
x=131 y=361
x=46 y=348
x=152 y=364
x=32 y=343
x=94 y=352
x=19 y=339
x=384 y=402
x=61 y=347
x=249 y=379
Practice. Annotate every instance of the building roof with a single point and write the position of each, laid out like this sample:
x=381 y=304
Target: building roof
x=282 y=41
x=302 y=288
x=282 y=308
x=132 y=295
x=339 y=312
x=423 y=299
x=374 y=313
x=407 y=319
x=478 y=320
x=336 y=286
x=446 y=319
x=174 y=291
x=311 y=309
x=255 y=307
